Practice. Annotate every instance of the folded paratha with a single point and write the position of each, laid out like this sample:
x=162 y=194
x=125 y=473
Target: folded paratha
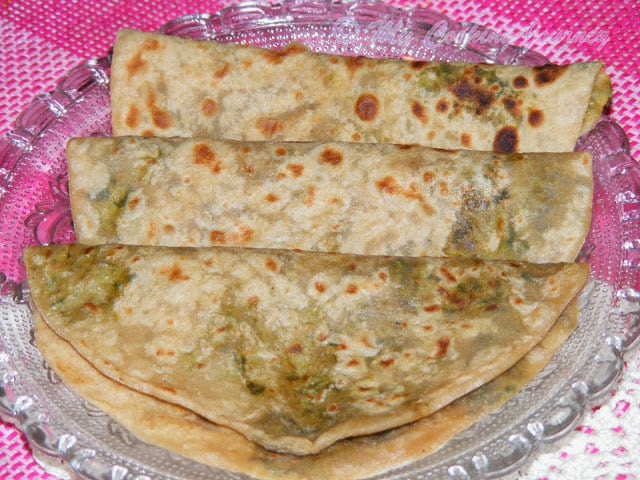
x=188 y=434
x=167 y=86
x=297 y=350
x=351 y=198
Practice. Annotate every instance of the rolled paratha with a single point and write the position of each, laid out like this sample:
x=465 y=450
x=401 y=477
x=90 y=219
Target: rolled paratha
x=167 y=86
x=189 y=435
x=297 y=350
x=335 y=197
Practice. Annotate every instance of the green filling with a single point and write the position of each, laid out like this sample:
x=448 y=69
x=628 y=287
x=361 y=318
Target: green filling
x=98 y=282
x=110 y=201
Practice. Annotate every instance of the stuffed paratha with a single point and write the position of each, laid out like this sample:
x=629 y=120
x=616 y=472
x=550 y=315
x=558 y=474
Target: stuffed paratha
x=167 y=86
x=188 y=434
x=351 y=198
x=297 y=350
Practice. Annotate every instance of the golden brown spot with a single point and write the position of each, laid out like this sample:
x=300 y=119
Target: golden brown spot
x=353 y=363
x=383 y=276
x=152 y=232
x=127 y=310
x=269 y=126
x=448 y=275
x=506 y=140
x=168 y=389
x=320 y=287
x=352 y=289
x=407 y=77
x=133 y=203
x=203 y=155
x=169 y=229
x=135 y=259
x=222 y=72
x=419 y=112
x=218 y=237
x=364 y=389
x=547 y=74
x=174 y=272
x=245 y=149
x=295 y=349
x=518 y=301
x=520 y=82
x=333 y=408
x=513 y=107
x=159 y=117
x=92 y=307
x=208 y=263
x=465 y=139
x=151 y=45
x=278 y=56
x=444 y=188
x=169 y=323
x=209 y=107
x=161 y=352
x=442 y=347
x=356 y=137
x=431 y=135
x=253 y=301
x=281 y=152
x=331 y=156
x=367 y=107
x=389 y=186
x=417 y=65
x=271 y=198
x=491 y=308
x=136 y=65
x=352 y=267
x=280 y=176
x=296 y=169
x=311 y=195
x=428 y=177
x=244 y=236
x=442 y=106
x=271 y=264
x=535 y=118
x=133 y=117
x=387 y=362
x=431 y=308
x=148 y=133
x=480 y=98
x=353 y=64
x=365 y=341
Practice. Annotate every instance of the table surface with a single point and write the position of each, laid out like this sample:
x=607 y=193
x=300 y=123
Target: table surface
x=41 y=40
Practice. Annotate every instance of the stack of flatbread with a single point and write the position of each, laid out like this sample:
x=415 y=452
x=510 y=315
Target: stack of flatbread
x=295 y=265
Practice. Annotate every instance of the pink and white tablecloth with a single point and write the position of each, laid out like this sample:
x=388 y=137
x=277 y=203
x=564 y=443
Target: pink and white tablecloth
x=41 y=39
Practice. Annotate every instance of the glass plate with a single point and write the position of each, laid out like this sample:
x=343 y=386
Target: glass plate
x=69 y=436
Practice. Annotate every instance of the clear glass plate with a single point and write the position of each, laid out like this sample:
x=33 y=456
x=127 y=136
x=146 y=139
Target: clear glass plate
x=69 y=436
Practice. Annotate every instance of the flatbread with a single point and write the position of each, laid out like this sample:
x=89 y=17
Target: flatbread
x=168 y=86
x=189 y=435
x=351 y=198
x=297 y=350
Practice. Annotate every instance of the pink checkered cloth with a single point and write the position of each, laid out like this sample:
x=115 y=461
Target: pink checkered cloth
x=41 y=40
